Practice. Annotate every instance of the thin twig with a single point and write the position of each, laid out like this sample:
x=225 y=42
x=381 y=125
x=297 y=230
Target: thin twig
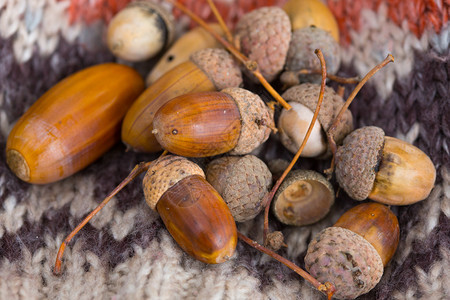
x=137 y=170
x=338 y=79
x=221 y=21
x=326 y=287
x=269 y=196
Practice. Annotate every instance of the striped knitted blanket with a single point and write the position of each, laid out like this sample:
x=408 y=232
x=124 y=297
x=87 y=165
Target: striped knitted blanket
x=125 y=252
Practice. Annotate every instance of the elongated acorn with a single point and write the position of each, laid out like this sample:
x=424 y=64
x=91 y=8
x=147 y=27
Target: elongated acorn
x=293 y=124
x=207 y=70
x=303 y=198
x=204 y=124
x=242 y=181
x=264 y=35
x=353 y=253
x=192 y=210
x=72 y=124
x=306 y=13
x=190 y=42
x=140 y=31
x=384 y=169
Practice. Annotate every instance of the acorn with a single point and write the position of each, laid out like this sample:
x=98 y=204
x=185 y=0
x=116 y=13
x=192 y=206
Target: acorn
x=192 y=41
x=264 y=35
x=293 y=124
x=301 y=55
x=207 y=70
x=306 y=13
x=140 y=31
x=72 y=124
x=233 y=120
x=353 y=253
x=192 y=210
x=242 y=181
x=382 y=168
x=304 y=197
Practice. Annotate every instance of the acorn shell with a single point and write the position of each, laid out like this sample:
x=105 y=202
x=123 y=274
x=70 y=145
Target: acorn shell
x=219 y=66
x=308 y=95
x=242 y=181
x=356 y=173
x=198 y=125
x=140 y=31
x=303 y=198
x=345 y=259
x=301 y=53
x=164 y=173
x=256 y=120
x=264 y=35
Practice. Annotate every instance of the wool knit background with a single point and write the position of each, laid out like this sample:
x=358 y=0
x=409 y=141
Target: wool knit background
x=125 y=252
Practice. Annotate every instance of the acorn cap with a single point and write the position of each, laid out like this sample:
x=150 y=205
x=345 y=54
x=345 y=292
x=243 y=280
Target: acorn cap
x=164 y=173
x=242 y=181
x=264 y=36
x=219 y=66
x=256 y=120
x=301 y=52
x=304 y=197
x=308 y=95
x=345 y=259
x=357 y=161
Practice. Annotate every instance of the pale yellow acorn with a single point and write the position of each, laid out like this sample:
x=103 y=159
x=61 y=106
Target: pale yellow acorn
x=305 y=13
x=382 y=168
x=140 y=31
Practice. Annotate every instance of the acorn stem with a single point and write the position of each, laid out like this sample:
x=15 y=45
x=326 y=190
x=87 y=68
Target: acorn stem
x=250 y=65
x=338 y=79
x=137 y=170
x=352 y=96
x=326 y=287
x=269 y=196
x=221 y=21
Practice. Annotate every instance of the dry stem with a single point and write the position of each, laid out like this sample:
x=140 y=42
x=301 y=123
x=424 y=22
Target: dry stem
x=326 y=287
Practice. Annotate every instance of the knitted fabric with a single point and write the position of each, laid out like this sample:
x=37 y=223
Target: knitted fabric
x=126 y=253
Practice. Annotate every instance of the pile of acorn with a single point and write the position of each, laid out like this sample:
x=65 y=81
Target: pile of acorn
x=194 y=106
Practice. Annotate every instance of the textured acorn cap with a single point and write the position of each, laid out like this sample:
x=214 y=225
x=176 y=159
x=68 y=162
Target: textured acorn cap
x=264 y=35
x=308 y=95
x=357 y=161
x=164 y=173
x=301 y=52
x=304 y=197
x=219 y=66
x=256 y=120
x=242 y=181
x=345 y=259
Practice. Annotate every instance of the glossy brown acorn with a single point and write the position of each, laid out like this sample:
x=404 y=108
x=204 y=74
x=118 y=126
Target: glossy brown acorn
x=211 y=123
x=192 y=210
x=207 y=70
x=352 y=254
x=73 y=123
